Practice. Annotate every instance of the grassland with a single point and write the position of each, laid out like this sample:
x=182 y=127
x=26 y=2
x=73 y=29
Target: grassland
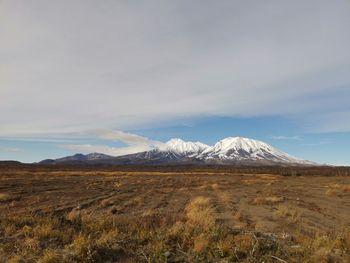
x=55 y=214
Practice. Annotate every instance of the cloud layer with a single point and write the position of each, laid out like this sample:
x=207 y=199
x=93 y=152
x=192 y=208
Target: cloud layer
x=71 y=66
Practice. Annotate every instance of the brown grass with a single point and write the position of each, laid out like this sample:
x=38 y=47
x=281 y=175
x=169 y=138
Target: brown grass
x=216 y=186
x=338 y=190
x=224 y=196
x=200 y=244
x=51 y=256
x=239 y=220
x=326 y=248
x=120 y=239
x=83 y=248
x=187 y=216
x=200 y=212
x=285 y=211
x=74 y=215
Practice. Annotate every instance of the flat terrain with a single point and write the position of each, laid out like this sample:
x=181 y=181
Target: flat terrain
x=305 y=218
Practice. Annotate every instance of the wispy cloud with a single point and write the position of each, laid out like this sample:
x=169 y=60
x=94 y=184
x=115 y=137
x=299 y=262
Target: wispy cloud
x=135 y=143
x=45 y=140
x=128 y=138
x=318 y=143
x=282 y=137
x=12 y=149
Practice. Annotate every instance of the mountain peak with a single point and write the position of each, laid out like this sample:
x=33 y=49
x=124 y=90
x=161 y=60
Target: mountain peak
x=180 y=146
x=240 y=143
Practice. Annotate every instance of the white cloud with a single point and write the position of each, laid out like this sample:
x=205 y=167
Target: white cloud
x=128 y=138
x=318 y=143
x=71 y=66
x=282 y=137
x=135 y=143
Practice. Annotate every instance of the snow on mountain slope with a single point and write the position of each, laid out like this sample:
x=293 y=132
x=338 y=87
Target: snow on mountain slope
x=229 y=149
x=185 y=148
x=97 y=156
x=238 y=148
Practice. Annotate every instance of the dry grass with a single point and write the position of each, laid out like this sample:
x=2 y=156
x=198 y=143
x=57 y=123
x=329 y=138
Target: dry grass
x=240 y=221
x=172 y=217
x=267 y=200
x=158 y=238
x=74 y=215
x=252 y=181
x=4 y=196
x=216 y=186
x=51 y=256
x=285 y=211
x=106 y=203
x=205 y=187
x=338 y=190
x=325 y=248
x=267 y=179
x=83 y=248
x=200 y=212
x=224 y=196
x=148 y=212
x=118 y=184
x=200 y=244
x=243 y=242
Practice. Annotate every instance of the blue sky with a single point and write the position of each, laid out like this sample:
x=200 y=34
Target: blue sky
x=120 y=77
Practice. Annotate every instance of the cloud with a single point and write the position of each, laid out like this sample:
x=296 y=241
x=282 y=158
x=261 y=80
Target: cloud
x=135 y=143
x=317 y=143
x=72 y=66
x=113 y=151
x=128 y=138
x=12 y=149
x=48 y=140
x=282 y=137
x=337 y=121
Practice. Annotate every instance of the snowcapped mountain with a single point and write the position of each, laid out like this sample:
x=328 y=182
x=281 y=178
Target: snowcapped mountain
x=181 y=147
x=244 y=149
x=231 y=150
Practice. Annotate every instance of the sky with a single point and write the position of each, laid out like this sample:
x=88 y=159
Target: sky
x=124 y=76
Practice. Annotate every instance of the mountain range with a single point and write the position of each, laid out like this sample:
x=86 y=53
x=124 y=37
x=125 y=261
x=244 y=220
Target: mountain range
x=231 y=150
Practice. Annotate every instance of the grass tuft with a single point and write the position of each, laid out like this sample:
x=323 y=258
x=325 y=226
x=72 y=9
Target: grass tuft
x=200 y=212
